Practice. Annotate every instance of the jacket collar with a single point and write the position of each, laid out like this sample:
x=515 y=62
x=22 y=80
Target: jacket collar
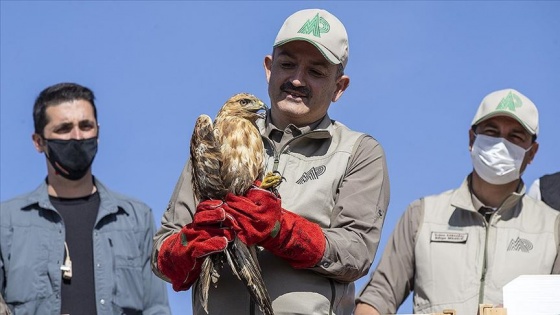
x=461 y=198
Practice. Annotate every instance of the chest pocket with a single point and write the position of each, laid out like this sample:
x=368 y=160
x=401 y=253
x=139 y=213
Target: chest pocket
x=128 y=262
x=32 y=263
x=533 y=253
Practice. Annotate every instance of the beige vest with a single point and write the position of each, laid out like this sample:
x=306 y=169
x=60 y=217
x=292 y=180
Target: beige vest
x=461 y=261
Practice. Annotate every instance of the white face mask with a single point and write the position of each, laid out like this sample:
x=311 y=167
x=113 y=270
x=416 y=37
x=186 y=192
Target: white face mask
x=497 y=160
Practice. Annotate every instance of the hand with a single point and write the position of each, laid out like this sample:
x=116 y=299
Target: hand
x=255 y=215
x=180 y=256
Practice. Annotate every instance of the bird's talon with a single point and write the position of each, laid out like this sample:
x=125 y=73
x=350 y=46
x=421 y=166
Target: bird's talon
x=271 y=180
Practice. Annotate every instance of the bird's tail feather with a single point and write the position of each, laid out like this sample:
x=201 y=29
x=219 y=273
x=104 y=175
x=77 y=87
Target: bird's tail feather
x=208 y=274
x=245 y=266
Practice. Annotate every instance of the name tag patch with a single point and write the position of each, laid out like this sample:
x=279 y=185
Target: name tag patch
x=449 y=237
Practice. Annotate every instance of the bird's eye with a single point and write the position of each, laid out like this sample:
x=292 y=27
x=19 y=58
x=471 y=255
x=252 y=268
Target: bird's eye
x=244 y=101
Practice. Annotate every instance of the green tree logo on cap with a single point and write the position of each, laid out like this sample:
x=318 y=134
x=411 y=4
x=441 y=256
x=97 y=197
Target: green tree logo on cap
x=510 y=102
x=315 y=26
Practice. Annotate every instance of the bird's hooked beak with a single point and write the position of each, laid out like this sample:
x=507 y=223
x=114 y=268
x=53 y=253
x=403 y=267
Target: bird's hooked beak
x=260 y=108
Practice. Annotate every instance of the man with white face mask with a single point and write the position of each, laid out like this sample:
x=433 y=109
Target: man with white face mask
x=458 y=249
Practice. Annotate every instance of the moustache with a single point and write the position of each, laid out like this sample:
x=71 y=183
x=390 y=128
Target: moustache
x=288 y=87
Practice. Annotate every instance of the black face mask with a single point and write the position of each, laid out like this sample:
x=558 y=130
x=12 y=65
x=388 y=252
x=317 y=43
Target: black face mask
x=71 y=158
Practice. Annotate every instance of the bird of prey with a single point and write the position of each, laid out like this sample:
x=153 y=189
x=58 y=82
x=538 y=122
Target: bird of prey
x=227 y=156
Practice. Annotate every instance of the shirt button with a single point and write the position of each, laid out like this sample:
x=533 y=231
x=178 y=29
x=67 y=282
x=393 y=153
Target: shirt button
x=102 y=301
x=98 y=265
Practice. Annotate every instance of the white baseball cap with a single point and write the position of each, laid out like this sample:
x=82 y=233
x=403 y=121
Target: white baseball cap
x=320 y=28
x=509 y=102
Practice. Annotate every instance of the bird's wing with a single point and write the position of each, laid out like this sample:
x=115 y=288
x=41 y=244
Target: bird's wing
x=207 y=184
x=206 y=161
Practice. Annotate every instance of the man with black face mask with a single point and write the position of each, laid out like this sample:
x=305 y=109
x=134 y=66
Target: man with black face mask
x=458 y=249
x=72 y=246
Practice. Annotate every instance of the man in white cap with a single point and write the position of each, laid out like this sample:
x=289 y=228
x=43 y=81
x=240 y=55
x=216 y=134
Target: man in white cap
x=458 y=249
x=323 y=233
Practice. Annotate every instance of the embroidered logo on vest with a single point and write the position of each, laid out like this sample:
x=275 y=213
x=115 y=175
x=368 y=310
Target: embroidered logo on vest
x=520 y=244
x=312 y=174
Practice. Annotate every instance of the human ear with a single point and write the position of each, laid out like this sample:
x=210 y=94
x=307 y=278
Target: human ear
x=267 y=64
x=532 y=152
x=342 y=83
x=38 y=142
x=472 y=136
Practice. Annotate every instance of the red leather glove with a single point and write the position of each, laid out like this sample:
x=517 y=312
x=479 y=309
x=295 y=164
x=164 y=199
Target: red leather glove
x=299 y=241
x=181 y=255
x=260 y=219
x=255 y=215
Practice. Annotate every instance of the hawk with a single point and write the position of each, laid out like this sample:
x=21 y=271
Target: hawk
x=228 y=156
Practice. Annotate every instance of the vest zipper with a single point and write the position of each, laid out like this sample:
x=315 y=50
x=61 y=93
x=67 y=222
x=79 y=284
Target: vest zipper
x=282 y=149
x=277 y=155
x=333 y=296
x=485 y=261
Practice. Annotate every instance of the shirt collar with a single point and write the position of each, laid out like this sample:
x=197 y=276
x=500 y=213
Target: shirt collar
x=271 y=129
x=108 y=205
x=478 y=204
x=465 y=199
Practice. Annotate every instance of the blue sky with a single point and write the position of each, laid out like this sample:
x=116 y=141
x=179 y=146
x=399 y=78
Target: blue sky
x=418 y=71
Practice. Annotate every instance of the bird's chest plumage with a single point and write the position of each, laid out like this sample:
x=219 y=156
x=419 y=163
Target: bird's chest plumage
x=243 y=151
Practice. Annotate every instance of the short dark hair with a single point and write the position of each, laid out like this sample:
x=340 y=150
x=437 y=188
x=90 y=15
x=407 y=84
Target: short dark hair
x=56 y=95
x=339 y=70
